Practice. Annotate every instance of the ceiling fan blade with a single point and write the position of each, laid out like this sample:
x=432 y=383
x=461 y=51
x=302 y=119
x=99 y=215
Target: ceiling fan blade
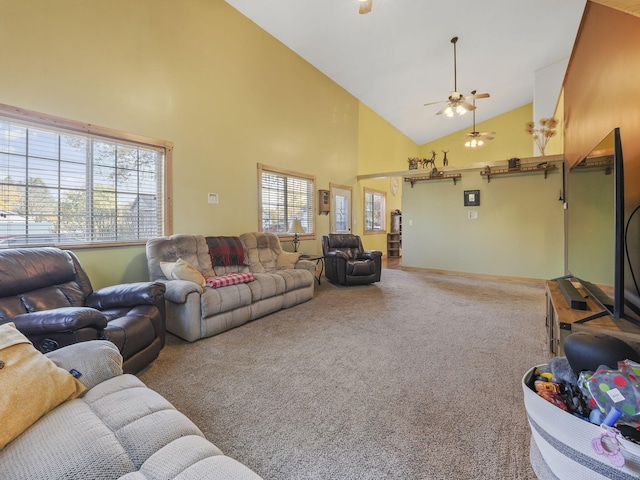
x=365 y=6
x=467 y=106
x=441 y=111
x=478 y=95
x=433 y=103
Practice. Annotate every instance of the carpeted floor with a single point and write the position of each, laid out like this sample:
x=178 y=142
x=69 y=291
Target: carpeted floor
x=417 y=377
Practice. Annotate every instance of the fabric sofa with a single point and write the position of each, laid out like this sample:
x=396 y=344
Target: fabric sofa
x=194 y=311
x=119 y=428
x=48 y=295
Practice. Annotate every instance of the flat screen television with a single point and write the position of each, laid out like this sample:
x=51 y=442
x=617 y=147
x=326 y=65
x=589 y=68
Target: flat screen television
x=595 y=224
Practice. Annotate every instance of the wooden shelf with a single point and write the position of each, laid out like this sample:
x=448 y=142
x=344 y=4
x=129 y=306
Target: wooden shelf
x=510 y=171
x=443 y=176
x=422 y=172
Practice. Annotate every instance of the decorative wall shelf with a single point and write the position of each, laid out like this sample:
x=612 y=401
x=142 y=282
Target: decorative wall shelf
x=452 y=169
x=607 y=164
x=443 y=176
x=542 y=167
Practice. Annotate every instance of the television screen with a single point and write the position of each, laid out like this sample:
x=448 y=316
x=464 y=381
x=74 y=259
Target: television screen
x=595 y=233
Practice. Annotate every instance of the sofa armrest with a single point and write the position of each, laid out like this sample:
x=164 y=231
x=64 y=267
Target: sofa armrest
x=306 y=265
x=127 y=295
x=177 y=291
x=56 y=320
x=96 y=360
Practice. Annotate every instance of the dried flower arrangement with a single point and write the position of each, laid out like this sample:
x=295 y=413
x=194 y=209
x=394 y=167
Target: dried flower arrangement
x=542 y=135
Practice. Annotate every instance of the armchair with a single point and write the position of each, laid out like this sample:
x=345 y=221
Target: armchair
x=48 y=295
x=347 y=262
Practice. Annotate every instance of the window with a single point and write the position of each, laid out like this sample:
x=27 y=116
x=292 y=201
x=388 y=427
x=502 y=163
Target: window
x=374 y=211
x=285 y=196
x=63 y=182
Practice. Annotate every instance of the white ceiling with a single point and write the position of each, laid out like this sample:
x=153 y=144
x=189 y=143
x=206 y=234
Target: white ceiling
x=400 y=56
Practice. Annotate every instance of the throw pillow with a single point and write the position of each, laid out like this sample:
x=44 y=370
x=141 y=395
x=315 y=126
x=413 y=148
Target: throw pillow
x=32 y=385
x=167 y=269
x=287 y=260
x=229 y=279
x=182 y=270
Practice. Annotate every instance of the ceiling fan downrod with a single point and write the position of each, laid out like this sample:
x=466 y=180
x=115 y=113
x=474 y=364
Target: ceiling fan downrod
x=454 y=40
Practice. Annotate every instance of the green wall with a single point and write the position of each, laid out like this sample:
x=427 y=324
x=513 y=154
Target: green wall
x=519 y=230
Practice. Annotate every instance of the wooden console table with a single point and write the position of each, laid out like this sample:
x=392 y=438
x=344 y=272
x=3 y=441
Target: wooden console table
x=563 y=320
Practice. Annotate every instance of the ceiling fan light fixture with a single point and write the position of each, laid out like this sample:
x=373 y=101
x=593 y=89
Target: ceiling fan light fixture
x=365 y=6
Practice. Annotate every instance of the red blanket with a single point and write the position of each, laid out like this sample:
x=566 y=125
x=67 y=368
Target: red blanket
x=225 y=251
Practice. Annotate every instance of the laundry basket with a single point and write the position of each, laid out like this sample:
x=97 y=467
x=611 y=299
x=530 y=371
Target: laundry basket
x=565 y=442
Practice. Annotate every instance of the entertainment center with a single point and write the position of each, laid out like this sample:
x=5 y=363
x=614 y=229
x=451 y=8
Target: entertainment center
x=594 y=296
x=562 y=320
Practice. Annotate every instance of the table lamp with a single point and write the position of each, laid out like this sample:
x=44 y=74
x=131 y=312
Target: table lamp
x=296 y=228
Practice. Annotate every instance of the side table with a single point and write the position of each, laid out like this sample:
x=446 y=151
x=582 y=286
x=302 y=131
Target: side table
x=319 y=259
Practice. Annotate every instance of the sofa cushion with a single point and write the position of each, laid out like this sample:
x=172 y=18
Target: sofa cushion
x=267 y=285
x=295 y=278
x=263 y=250
x=27 y=269
x=32 y=384
x=219 y=300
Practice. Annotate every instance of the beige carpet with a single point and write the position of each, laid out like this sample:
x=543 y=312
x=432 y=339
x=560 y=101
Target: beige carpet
x=417 y=377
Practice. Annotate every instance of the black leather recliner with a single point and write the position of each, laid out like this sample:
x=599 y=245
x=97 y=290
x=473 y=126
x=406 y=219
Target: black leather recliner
x=347 y=262
x=48 y=295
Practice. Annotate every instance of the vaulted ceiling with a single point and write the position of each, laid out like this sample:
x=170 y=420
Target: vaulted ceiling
x=400 y=56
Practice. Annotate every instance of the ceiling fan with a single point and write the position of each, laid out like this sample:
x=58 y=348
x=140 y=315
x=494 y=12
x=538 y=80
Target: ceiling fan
x=457 y=102
x=365 y=6
x=475 y=139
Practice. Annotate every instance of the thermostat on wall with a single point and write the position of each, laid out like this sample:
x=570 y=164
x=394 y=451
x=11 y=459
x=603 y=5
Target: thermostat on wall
x=471 y=198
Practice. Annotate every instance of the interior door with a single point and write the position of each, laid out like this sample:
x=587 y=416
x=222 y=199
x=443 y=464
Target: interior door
x=340 y=208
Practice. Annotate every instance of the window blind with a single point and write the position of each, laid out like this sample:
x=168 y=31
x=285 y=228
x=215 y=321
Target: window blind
x=65 y=187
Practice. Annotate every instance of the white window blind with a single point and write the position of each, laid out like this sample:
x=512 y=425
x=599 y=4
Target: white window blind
x=62 y=187
x=285 y=196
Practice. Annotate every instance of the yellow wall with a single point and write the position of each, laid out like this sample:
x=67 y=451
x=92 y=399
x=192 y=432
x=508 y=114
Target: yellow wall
x=381 y=148
x=228 y=96
x=194 y=72
x=510 y=140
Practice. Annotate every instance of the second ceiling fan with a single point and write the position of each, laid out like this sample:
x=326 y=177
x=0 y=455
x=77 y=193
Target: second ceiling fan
x=457 y=102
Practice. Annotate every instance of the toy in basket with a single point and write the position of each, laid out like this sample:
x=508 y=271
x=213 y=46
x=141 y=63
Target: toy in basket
x=583 y=413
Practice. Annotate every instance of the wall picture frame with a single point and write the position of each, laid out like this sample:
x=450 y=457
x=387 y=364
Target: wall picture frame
x=472 y=198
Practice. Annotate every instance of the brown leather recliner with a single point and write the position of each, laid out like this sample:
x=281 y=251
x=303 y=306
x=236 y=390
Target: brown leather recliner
x=347 y=262
x=48 y=295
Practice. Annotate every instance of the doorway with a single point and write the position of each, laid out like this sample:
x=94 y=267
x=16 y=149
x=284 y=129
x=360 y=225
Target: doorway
x=340 y=208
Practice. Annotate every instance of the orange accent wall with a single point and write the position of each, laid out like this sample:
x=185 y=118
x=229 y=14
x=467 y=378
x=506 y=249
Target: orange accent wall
x=602 y=85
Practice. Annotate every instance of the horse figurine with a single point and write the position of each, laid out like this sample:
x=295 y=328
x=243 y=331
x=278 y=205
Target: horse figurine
x=445 y=160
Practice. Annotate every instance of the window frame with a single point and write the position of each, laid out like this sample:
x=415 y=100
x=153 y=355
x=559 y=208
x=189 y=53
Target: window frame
x=73 y=127
x=312 y=199
x=383 y=215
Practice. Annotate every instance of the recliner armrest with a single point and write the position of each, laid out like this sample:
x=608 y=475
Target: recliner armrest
x=370 y=254
x=337 y=254
x=56 y=320
x=127 y=295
